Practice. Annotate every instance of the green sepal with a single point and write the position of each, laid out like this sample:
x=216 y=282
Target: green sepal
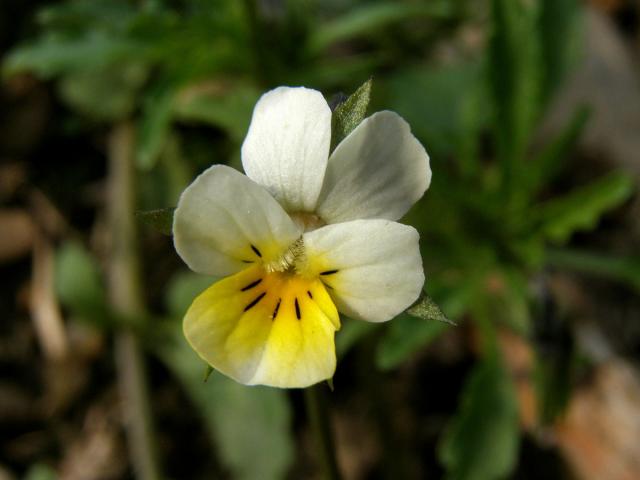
x=350 y=113
x=208 y=370
x=427 y=309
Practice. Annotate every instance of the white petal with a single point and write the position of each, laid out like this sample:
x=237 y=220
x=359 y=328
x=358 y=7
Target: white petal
x=373 y=268
x=378 y=171
x=224 y=222
x=287 y=146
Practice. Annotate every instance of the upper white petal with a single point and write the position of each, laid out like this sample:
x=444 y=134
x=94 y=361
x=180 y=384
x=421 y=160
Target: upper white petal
x=378 y=171
x=221 y=215
x=379 y=267
x=287 y=146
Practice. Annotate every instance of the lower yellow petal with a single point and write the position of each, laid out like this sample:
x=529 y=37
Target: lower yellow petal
x=264 y=328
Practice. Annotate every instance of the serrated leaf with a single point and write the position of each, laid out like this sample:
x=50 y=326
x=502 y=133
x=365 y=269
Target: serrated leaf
x=405 y=336
x=160 y=219
x=426 y=309
x=243 y=422
x=581 y=209
x=481 y=443
x=350 y=113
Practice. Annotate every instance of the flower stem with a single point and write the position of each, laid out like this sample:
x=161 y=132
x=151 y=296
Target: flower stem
x=321 y=428
x=125 y=291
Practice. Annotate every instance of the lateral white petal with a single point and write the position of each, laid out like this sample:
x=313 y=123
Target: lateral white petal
x=373 y=268
x=378 y=171
x=224 y=222
x=287 y=146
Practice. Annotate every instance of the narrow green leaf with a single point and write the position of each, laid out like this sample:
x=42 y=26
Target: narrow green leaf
x=155 y=125
x=622 y=268
x=514 y=81
x=369 y=18
x=553 y=158
x=426 y=309
x=243 y=422
x=160 y=219
x=581 y=209
x=350 y=113
x=481 y=443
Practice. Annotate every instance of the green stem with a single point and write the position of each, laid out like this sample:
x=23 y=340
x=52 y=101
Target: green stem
x=125 y=291
x=321 y=428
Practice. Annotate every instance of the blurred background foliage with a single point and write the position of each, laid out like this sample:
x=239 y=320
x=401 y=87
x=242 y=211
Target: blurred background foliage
x=519 y=229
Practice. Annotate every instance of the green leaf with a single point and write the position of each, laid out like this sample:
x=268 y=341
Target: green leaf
x=350 y=113
x=53 y=55
x=155 y=125
x=250 y=426
x=79 y=285
x=405 y=336
x=103 y=94
x=426 y=309
x=581 y=209
x=369 y=18
x=601 y=265
x=160 y=219
x=481 y=443
x=447 y=93
x=552 y=159
x=514 y=79
x=224 y=106
x=559 y=33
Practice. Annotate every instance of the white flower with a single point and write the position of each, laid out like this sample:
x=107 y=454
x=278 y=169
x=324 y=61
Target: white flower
x=301 y=237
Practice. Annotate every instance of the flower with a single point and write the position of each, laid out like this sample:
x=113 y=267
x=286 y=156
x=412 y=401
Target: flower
x=302 y=236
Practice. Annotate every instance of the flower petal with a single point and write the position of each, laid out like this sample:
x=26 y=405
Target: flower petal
x=287 y=146
x=263 y=328
x=224 y=221
x=378 y=171
x=372 y=268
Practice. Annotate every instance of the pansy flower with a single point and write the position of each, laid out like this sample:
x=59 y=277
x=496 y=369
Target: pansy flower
x=303 y=236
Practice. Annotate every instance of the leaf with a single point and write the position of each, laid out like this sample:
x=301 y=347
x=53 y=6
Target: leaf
x=369 y=18
x=52 y=55
x=103 y=94
x=436 y=102
x=618 y=268
x=350 y=113
x=481 y=442
x=581 y=209
x=224 y=106
x=160 y=219
x=552 y=159
x=559 y=34
x=155 y=125
x=514 y=79
x=79 y=283
x=405 y=336
x=426 y=309
x=250 y=426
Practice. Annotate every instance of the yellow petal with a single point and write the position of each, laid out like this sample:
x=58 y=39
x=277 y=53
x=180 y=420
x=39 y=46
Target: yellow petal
x=264 y=328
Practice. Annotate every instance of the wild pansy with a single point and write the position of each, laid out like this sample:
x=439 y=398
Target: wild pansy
x=303 y=236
